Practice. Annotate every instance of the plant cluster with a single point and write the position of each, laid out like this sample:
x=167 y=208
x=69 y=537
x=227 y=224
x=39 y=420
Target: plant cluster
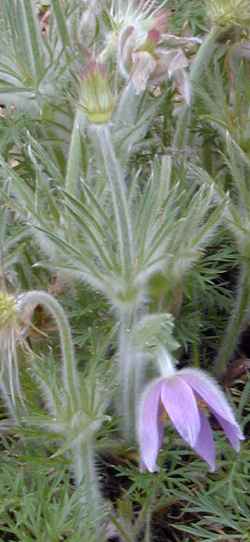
x=124 y=270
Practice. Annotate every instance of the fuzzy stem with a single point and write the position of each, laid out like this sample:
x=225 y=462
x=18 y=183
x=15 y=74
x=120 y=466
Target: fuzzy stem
x=131 y=372
x=165 y=363
x=31 y=300
x=199 y=65
x=84 y=466
x=236 y=321
x=127 y=105
x=74 y=157
x=85 y=472
x=125 y=367
x=119 y=197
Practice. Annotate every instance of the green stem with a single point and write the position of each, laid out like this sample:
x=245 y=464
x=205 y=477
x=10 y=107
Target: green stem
x=83 y=452
x=70 y=379
x=125 y=367
x=74 y=158
x=119 y=197
x=131 y=369
x=85 y=473
x=236 y=321
x=199 y=65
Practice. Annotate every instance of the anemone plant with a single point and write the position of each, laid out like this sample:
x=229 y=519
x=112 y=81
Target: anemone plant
x=95 y=190
x=35 y=59
x=118 y=246
x=228 y=117
x=75 y=413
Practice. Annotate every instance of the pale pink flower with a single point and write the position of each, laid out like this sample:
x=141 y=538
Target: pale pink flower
x=149 y=62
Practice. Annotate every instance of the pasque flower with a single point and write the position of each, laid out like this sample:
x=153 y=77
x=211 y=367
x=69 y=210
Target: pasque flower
x=152 y=63
x=149 y=58
x=183 y=395
x=146 y=54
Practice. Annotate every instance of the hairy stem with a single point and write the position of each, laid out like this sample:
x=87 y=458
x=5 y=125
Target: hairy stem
x=125 y=367
x=83 y=452
x=85 y=473
x=31 y=300
x=236 y=321
x=131 y=371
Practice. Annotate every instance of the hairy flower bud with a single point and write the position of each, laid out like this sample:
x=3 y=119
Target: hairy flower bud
x=95 y=96
x=11 y=328
x=8 y=313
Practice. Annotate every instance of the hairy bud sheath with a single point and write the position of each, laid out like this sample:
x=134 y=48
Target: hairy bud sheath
x=11 y=329
x=95 y=96
x=8 y=311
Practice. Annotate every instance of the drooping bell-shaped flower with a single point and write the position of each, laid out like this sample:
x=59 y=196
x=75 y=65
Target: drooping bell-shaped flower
x=182 y=396
x=95 y=95
x=141 y=16
x=150 y=61
x=153 y=64
x=146 y=54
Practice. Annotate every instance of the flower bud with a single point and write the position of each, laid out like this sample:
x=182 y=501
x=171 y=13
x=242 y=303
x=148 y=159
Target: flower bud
x=95 y=95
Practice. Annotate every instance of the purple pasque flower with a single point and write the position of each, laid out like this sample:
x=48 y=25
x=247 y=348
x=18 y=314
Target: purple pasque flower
x=149 y=63
x=182 y=396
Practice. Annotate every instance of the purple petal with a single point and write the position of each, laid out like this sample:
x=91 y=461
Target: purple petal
x=210 y=392
x=233 y=433
x=144 y=66
x=205 y=444
x=180 y=404
x=150 y=427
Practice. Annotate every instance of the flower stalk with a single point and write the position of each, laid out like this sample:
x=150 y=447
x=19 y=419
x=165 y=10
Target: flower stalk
x=70 y=379
x=85 y=474
x=83 y=450
x=126 y=376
